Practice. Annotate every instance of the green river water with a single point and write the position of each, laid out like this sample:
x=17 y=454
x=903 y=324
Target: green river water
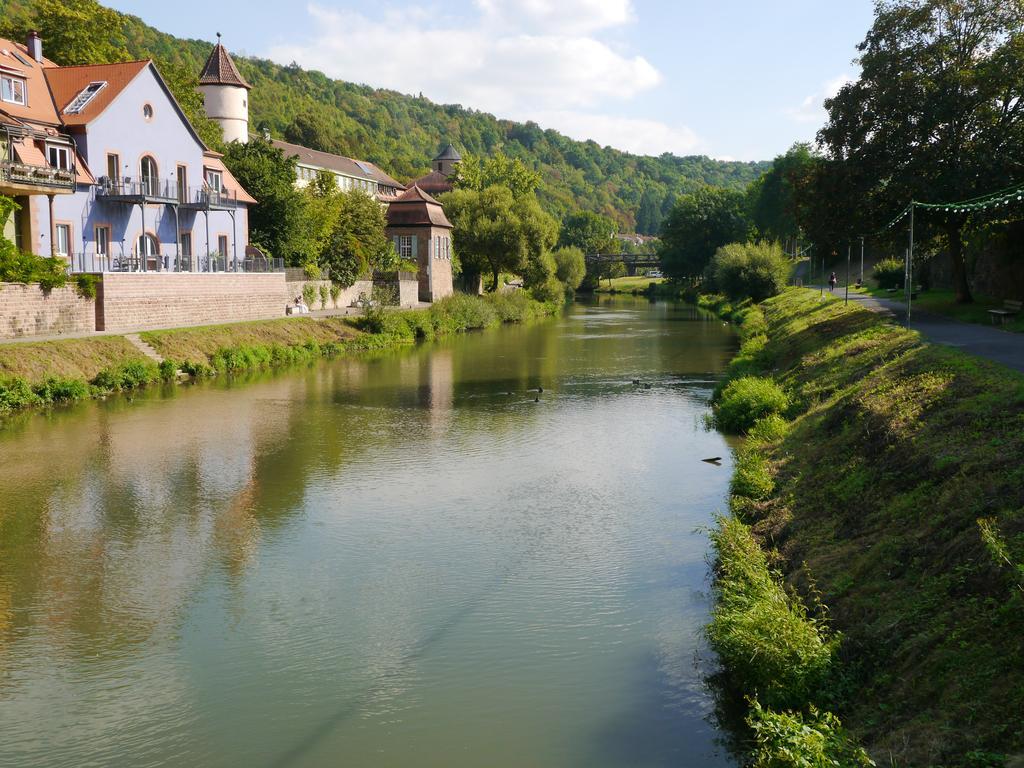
x=383 y=562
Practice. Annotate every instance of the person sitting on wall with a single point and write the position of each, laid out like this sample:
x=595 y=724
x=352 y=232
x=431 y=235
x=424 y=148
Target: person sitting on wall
x=300 y=306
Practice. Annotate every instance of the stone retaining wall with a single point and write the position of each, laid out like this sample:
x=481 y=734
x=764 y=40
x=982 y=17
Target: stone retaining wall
x=132 y=301
x=27 y=310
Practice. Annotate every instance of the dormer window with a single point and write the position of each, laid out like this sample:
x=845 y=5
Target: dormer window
x=13 y=90
x=59 y=156
x=84 y=97
x=214 y=180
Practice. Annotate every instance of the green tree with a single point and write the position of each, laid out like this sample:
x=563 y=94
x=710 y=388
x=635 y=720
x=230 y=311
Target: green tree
x=570 y=266
x=324 y=201
x=279 y=222
x=83 y=32
x=590 y=232
x=479 y=173
x=750 y=270
x=772 y=198
x=183 y=83
x=698 y=225
x=937 y=114
x=311 y=129
x=496 y=232
x=358 y=245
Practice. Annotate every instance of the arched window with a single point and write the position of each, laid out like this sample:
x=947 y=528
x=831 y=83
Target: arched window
x=148 y=250
x=150 y=176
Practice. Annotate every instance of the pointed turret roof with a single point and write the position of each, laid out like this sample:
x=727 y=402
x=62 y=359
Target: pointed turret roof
x=220 y=69
x=415 y=208
x=449 y=153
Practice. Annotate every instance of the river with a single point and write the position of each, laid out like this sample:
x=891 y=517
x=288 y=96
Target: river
x=399 y=561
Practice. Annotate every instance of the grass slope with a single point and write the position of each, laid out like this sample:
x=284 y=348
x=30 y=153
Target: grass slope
x=897 y=449
x=71 y=358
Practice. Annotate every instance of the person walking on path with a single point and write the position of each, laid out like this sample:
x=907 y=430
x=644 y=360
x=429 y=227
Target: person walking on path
x=832 y=280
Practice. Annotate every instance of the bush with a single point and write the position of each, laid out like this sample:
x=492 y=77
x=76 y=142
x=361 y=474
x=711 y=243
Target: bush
x=126 y=376
x=769 y=429
x=168 y=370
x=325 y=293
x=766 y=640
x=15 y=394
x=570 y=266
x=889 y=273
x=309 y=293
x=751 y=478
x=794 y=740
x=550 y=292
x=461 y=312
x=312 y=271
x=755 y=271
x=54 y=389
x=514 y=306
x=335 y=293
x=85 y=285
x=746 y=400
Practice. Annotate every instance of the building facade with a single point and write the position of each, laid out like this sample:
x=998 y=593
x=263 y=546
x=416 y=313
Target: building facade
x=422 y=233
x=148 y=194
x=348 y=173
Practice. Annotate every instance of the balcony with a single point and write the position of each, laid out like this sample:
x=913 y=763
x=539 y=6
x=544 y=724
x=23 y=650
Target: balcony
x=17 y=174
x=136 y=192
x=24 y=168
x=93 y=263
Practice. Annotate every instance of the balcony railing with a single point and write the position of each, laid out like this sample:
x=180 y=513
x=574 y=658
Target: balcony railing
x=136 y=191
x=130 y=262
x=36 y=175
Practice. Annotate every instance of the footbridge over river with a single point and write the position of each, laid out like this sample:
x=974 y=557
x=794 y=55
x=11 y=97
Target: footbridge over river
x=634 y=261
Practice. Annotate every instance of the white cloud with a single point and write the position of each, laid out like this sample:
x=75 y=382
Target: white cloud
x=520 y=59
x=636 y=135
x=812 y=109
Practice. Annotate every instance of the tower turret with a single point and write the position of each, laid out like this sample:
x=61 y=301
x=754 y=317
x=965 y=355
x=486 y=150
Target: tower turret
x=225 y=94
x=446 y=161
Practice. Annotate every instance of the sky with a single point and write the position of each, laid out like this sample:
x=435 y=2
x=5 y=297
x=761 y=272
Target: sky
x=733 y=79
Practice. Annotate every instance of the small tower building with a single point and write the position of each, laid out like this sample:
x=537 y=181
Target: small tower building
x=422 y=233
x=225 y=94
x=437 y=182
x=446 y=161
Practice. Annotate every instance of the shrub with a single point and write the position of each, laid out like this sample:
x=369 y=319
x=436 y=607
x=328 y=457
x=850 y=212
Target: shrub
x=756 y=271
x=85 y=285
x=570 y=266
x=514 y=306
x=168 y=370
x=764 y=638
x=195 y=369
x=751 y=478
x=15 y=394
x=325 y=292
x=126 y=376
x=889 y=273
x=312 y=271
x=55 y=389
x=309 y=293
x=460 y=312
x=769 y=429
x=746 y=400
x=795 y=740
x=335 y=293
x=549 y=292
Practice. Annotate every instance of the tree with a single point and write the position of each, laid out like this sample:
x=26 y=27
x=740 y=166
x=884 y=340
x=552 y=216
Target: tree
x=937 y=114
x=698 y=225
x=311 y=129
x=279 y=221
x=590 y=232
x=772 y=198
x=83 y=32
x=750 y=270
x=478 y=173
x=358 y=244
x=570 y=266
x=323 y=202
x=496 y=232
x=183 y=84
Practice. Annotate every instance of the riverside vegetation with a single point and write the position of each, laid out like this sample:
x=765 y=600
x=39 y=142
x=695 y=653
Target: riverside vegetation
x=869 y=573
x=61 y=372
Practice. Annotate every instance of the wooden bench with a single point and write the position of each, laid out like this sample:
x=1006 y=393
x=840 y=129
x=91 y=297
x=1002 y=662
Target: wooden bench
x=1010 y=308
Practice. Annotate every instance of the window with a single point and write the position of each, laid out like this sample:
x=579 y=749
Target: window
x=62 y=239
x=101 y=236
x=182 y=184
x=405 y=246
x=222 y=246
x=147 y=112
x=148 y=250
x=114 y=168
x=83 y=98
x=150 y=176
x=12 y=89
x=186 y=244
x=214 y=180
x=58 y=157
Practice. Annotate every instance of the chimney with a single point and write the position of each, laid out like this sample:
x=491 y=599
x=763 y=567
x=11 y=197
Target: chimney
x=35 y=46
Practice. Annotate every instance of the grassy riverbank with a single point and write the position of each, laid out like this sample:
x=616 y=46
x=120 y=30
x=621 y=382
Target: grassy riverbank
x=886 y=494
x=59 y=372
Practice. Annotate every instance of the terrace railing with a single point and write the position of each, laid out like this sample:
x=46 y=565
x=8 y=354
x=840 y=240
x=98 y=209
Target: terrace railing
x=37 y=175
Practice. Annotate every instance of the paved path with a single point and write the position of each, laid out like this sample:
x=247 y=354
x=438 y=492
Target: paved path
x=988 y=342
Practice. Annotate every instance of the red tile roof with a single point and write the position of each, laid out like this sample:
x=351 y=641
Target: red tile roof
x=337 y=163
x=220 y=69
x=434 y=182
x=39 y=107
x=68 y=82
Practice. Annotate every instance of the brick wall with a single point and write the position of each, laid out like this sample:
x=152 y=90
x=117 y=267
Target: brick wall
x=26 y=310
x=172 y=299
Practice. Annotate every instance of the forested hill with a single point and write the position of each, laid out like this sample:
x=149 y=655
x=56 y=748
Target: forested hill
x=402 y=133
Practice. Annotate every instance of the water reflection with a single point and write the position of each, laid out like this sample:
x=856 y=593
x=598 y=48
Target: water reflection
x=397 y=560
